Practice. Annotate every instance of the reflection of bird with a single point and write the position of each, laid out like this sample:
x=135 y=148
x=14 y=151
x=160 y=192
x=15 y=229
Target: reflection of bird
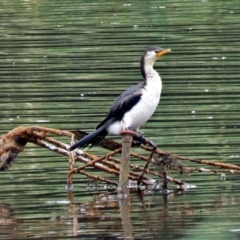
x=134 y=106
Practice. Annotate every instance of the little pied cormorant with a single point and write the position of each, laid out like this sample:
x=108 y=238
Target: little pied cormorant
x=134 y=106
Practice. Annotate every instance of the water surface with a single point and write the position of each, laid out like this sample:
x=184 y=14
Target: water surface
x=62 y=63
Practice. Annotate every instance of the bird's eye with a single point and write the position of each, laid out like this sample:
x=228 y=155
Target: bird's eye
x=157 y=51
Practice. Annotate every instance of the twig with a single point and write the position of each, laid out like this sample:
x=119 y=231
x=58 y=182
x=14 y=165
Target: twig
x=91 y=163
x=215 y=164
x=144 y=169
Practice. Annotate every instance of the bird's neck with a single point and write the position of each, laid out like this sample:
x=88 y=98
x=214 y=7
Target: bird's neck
x=148 y=73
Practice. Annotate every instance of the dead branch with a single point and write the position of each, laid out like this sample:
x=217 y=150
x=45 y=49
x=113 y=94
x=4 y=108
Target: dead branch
x=14 y=142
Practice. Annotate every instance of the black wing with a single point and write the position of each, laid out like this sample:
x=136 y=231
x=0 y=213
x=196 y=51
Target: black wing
x=124 y=103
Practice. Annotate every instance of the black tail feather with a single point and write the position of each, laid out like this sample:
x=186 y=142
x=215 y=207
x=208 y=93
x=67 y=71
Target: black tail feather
x=97 y=140
x=94 y=137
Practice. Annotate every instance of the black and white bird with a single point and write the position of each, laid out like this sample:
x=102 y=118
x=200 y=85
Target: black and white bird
x=134 y=106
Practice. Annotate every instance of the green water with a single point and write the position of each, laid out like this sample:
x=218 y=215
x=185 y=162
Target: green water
x=62 y=63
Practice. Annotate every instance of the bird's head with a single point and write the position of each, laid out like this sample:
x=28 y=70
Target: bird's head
x=153 y=53
x=150 y=56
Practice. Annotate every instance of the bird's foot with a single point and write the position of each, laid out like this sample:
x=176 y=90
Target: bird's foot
x=138 y=138
x=143 y=140
x=152 y=144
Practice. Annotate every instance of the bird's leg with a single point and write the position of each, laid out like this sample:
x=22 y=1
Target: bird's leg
x=143 y=140
x=152 y=144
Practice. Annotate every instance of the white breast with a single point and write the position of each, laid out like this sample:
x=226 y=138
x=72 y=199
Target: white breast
x=145 y=108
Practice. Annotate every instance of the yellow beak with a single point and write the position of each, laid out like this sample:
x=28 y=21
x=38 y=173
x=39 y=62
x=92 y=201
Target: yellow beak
x=162 y=52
